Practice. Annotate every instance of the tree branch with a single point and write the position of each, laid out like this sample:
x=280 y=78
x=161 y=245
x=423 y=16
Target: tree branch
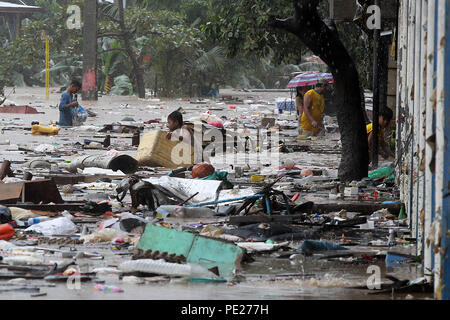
x=285 y=24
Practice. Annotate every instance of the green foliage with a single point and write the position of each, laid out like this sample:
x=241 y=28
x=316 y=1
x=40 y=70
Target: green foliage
x=185 y=46
x=243 y=26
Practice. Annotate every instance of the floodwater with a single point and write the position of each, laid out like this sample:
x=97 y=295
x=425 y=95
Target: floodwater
x=267 y=278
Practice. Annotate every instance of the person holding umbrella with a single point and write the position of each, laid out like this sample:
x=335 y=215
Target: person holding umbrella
x=313 y=108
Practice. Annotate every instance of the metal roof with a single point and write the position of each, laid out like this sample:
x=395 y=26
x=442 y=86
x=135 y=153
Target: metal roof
x=8 y=7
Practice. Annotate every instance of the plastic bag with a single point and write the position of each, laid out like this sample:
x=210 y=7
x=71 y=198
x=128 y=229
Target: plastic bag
x=56 y=226
x=79 y=115
x=387 y=172
x=105 y=235
x=5 y=215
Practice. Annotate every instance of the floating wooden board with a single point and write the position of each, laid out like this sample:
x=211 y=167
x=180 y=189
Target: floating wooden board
x=37 y=191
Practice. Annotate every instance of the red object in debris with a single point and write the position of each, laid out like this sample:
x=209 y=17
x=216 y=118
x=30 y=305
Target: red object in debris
x=202 y=170
x=216 y=124
x=19 y=109
x=107 y=214
x=151 y=121
x=79 y=214
x=232 y=107
x=367 y=257
x=295 y=197
x=6 y=232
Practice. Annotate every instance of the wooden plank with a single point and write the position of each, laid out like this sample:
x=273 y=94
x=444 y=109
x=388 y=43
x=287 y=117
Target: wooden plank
x=10 y=192
x=38 y=191
x=73 y=207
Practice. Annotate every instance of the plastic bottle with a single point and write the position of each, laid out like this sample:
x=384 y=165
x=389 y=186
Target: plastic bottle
x=391 y=241
x=171 y=269
x=32 y=221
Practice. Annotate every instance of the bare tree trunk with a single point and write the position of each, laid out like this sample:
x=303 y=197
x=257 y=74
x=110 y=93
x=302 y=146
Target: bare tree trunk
x=137 y=70
x=89 y=83
x=323 y=39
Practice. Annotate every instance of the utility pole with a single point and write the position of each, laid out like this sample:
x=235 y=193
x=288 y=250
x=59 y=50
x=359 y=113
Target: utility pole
x=89 y=90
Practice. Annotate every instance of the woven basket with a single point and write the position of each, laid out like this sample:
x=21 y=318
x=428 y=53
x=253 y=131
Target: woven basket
x=155 y=150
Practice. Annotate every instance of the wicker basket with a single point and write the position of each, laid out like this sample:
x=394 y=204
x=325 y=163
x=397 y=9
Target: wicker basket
x=155 y=150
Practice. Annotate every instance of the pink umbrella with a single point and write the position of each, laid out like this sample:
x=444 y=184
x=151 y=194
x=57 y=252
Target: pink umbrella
x=309 y=79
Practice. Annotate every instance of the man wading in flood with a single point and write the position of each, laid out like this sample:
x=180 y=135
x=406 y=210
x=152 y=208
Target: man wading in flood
x=67 y=102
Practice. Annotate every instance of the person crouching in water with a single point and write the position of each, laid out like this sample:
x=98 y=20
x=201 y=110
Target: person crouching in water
x=313 y=108
x=384 y=120
x=178 y=130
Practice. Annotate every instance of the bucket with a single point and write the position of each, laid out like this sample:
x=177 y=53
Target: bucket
x=6 y=232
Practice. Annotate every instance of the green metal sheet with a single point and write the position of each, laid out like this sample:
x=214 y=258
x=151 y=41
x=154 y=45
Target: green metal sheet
x=166 y=240
x=204 y=251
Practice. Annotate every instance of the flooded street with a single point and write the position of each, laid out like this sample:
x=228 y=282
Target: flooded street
x=281 y=274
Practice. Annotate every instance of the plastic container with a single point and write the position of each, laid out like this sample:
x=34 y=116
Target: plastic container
x=94 y=145
x=165 y=268
x=257 y=178
x=41 y=130
x=6 y=232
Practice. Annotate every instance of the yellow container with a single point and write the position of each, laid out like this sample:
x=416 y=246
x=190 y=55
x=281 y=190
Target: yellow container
x=155 y=150
x=41 y=130
x=255 y=178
